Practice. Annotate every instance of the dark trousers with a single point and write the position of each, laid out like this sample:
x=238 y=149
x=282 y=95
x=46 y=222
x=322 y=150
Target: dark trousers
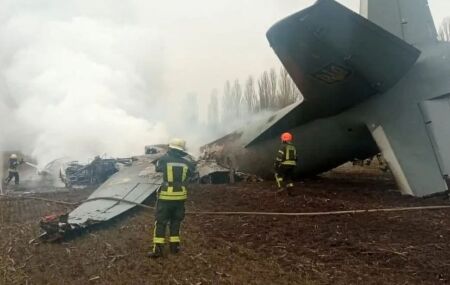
x=11 y=175
x=285 y=174
x=168 y=213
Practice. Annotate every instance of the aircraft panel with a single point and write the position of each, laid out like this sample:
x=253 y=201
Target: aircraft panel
x=406 y=145
x=389 y=155
x=409 y=20
x=133 y=183
x=436 y=114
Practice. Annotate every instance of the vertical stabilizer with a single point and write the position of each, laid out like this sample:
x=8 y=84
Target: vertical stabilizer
x=409 y=20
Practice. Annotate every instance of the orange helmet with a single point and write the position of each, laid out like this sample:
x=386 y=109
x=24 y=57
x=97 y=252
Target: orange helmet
x=286 y=137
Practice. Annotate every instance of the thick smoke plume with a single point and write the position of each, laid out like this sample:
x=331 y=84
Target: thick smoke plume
x=80 y=78
x=77 y=82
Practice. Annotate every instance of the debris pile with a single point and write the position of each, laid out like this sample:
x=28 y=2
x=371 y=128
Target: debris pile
x=54 y=226
x=76 y=174
x=125 y=183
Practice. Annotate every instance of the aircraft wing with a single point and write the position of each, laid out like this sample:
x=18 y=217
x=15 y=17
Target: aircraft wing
x=133 y=183
x=338 y=58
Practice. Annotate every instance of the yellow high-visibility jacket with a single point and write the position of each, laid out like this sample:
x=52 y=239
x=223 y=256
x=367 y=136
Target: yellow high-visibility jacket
x=176 y=169
x=287 y=155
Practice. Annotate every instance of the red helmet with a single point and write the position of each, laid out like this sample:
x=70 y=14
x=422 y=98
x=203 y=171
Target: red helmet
x=286 y=137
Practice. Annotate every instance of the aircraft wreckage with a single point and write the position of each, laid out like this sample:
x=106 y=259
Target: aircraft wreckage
x=129 y=186
x=371 y=83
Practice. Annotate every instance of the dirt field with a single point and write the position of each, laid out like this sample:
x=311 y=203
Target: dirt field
x=377 y=248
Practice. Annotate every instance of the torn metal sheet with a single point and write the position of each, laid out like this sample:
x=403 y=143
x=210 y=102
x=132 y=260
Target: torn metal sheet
x=210 y=172
x=94 y=173
x=130 y=186
x=132 y=183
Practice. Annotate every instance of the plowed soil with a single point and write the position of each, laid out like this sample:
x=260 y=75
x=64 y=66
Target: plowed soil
x=369 y=248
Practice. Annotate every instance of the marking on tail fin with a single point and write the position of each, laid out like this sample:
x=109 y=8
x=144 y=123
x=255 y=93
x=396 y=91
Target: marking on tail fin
x=332 y=73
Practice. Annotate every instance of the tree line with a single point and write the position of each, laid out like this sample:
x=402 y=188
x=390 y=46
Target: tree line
x=270 y=91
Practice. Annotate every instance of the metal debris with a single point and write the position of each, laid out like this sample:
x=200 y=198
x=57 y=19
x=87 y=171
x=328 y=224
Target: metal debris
x=211 y=172
x=94 y=173
x=134 y=182
x=124 y=190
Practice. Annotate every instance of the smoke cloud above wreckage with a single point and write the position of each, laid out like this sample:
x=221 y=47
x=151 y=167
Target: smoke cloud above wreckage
x=76 y=85
x=80 y=80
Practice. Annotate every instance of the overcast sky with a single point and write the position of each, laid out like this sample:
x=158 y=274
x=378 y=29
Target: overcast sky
x=217 y=42
x=112 y=75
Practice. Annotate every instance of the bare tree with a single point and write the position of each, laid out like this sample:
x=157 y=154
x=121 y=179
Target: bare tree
x=213 y=109
x=444 y=30
x=264 y=91
x=273 y=89
x=288 y=92
x=227 y=102
x=236 y=95
x=284 y=91
x=250 y=95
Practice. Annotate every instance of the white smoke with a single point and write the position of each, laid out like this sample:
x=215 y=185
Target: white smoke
x=72 y=84
x=80 y=78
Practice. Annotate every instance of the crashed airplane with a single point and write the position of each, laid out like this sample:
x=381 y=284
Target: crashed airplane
x=371 y=82
x=129 y=186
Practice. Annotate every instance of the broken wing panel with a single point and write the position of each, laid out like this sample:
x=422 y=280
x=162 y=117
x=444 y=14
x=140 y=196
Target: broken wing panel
x=133 y=183
x=338 y=58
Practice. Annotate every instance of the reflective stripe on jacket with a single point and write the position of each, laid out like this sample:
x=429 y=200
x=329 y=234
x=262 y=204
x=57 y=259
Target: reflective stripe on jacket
x=287 y=155
x=176 y=171
x=174 y=187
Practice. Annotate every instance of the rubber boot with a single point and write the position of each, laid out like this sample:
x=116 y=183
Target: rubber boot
x=157 y=251
x=174 y=247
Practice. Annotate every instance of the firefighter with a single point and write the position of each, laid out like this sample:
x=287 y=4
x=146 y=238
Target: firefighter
x=177 y=167
x=13 y=170
x=285 y=163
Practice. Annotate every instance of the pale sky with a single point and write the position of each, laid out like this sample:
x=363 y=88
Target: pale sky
x=220 y=42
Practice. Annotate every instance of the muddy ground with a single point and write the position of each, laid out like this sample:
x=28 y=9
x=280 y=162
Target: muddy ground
x=377 y=248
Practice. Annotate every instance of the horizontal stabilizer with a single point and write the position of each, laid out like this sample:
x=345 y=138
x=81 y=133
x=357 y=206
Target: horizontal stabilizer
x=338 y=58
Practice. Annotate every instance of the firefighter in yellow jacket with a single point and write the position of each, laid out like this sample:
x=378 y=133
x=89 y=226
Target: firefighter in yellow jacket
x=285 y=163
x=177 y=167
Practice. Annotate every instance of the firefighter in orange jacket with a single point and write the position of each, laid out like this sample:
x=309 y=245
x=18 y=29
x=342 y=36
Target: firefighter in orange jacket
x=285 y=163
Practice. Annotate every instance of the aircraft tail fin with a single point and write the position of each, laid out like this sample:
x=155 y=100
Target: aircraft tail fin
x=409 y=20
